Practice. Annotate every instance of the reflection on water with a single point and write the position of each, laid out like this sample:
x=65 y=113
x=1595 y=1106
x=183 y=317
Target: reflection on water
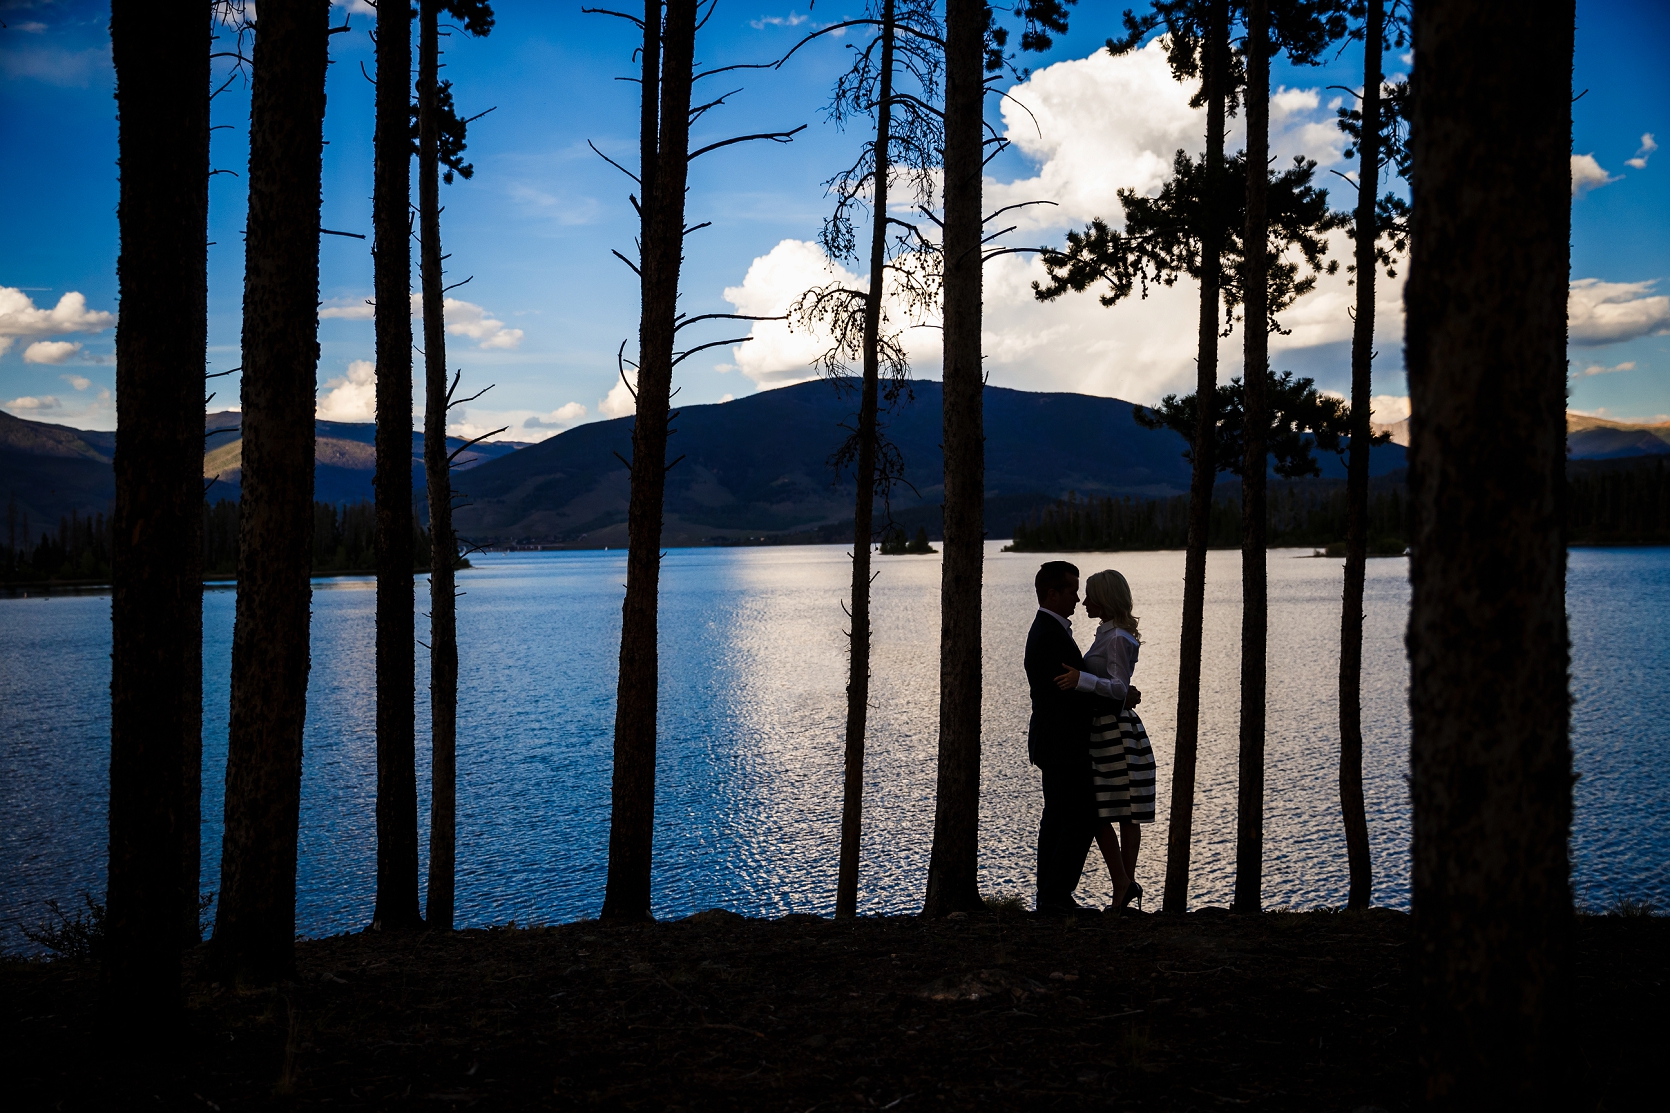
x=752 y=684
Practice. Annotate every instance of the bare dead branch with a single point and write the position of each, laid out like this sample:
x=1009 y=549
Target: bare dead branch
x=682 y=356
x=472 y=397
x=453 y=455
x=613 y=163
x=1017 y=205
x=774 y=136
x=349 y=235
x=725 y=317
x=632 y=19
x=627 y=261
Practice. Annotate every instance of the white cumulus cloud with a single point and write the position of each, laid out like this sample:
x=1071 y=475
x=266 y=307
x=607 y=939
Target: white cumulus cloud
x=348 y=309
x=565 y=415
x=79 y=382
x=465 y=318
x=50 y=351
x=1587 y=175
x=1606 y=312
x=351 y=397
x=29 y=404
x=21 y=318
x=1387 y=408
x=619 y=402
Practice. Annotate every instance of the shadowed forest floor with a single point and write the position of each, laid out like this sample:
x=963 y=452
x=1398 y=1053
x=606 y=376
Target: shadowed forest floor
x=1285 y=1011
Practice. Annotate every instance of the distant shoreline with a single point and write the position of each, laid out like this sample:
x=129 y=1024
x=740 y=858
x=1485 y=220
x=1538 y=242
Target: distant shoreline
x=79 y=587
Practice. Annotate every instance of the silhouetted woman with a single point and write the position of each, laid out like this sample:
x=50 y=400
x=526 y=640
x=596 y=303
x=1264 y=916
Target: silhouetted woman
x=1120 y=755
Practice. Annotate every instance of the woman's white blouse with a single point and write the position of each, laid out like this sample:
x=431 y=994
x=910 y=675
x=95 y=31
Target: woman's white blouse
x=1108 y=664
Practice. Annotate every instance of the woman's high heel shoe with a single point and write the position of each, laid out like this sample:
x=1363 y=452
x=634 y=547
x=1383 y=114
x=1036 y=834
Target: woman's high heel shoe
x=1132 y=893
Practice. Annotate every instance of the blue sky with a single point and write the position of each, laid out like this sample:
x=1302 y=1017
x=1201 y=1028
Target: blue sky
x=548 y=305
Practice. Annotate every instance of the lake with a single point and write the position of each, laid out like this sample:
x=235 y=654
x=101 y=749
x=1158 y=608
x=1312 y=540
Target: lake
x=752 y=710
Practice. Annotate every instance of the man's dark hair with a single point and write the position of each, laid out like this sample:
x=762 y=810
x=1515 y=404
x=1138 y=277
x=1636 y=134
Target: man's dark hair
x=1053 y=576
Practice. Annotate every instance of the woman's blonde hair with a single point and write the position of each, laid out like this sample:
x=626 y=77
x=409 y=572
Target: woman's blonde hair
x=1112 y=595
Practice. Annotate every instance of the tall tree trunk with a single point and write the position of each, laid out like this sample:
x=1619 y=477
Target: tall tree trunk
x=632 y=822
x=443 y=547
x=162 y=97
x=1489 y=702
x=1249 y=827
x=255 y=928
x=1356 y=524
x=863 y=513
x=1215 y=77
x=391 y=202
x=953 y=873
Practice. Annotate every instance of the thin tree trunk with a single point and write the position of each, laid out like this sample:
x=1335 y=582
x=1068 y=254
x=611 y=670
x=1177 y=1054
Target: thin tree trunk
x=1215 y=77
x=391 y=202
x=1356 y=523
x=443 y=549
x=1249 y=832
x=1489 y=701
x=162 y=96
x=255 y=928
x=858 y=664
x=632 y=822
x=953 y=873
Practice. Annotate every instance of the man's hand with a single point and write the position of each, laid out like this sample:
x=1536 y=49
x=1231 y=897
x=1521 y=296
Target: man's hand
x=1068 y=680
x=1133 y=696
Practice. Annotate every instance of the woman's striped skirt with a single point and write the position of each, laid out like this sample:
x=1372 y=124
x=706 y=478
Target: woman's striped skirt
x=1123 y=764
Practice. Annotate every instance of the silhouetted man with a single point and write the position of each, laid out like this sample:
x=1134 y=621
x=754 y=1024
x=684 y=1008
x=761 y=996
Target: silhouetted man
x=1058 y=740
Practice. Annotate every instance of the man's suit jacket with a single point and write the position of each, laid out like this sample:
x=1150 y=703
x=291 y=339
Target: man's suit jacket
x=1060 y=727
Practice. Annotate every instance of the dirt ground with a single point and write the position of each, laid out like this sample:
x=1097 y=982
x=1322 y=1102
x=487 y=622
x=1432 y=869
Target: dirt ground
x=1283 y=1011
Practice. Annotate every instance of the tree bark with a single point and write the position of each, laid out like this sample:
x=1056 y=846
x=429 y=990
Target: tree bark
x=1215 y=77
x=863 y=514
x=1490 y=761
x=1356 y=524
x=953 y=872
x=391 y=202
x=255 y=928
x=162 y=97
x=632 y=822
x=1249 y=827
x=443 y=547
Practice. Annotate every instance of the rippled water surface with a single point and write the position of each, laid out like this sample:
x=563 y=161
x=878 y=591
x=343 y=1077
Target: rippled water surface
x=752 y=704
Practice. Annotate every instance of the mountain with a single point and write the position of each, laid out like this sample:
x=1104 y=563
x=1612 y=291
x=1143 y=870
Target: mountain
x=49 y=471
x=1596 y=438
x=344 y=458
x=759 y=466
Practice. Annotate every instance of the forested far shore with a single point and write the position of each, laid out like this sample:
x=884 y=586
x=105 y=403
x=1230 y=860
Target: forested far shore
x=1608 y=502
x=78 y=550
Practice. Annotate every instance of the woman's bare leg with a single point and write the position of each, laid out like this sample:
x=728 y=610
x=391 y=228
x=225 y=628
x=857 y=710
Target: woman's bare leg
x=1130 y=839
x=1115 y=859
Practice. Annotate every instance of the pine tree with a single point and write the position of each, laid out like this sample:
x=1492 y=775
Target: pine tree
x=162 y=96
x=905 y=145
x=441 y=141
x=397 y=835
x=255 y=925
x=1490 y=708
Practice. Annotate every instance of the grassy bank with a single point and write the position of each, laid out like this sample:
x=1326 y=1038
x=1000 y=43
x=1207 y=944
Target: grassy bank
x=1284 y=1011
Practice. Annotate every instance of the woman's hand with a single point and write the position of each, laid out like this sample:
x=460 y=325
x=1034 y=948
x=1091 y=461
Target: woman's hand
x=1068 y=680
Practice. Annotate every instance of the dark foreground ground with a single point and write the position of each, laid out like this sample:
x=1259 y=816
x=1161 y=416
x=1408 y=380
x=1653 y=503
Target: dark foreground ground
x=1285 y=1011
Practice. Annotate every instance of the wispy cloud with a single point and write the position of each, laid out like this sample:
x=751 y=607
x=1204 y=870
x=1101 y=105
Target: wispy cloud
x=463 y=318
x=1648 y=146
x=793 y=19
x=1594 y=369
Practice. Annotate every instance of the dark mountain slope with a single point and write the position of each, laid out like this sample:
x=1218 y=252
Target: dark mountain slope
x=760 y=465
